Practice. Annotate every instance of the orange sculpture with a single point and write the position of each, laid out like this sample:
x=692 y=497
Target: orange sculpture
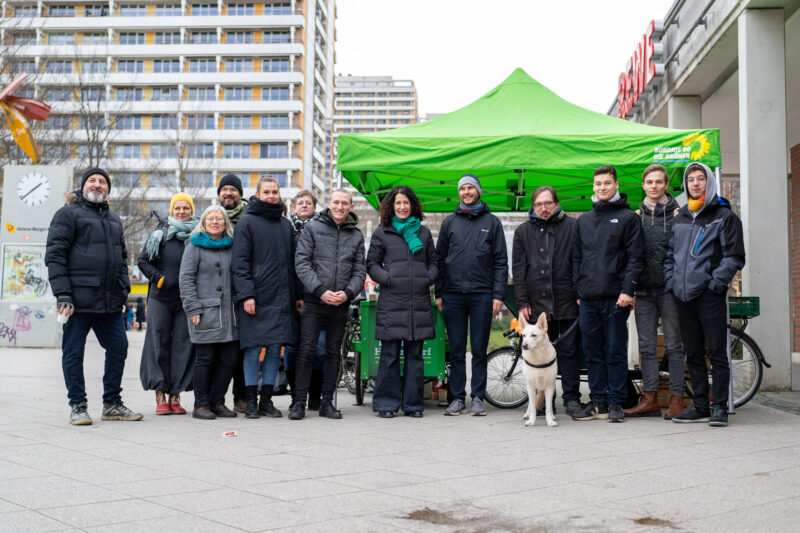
x=15 y=109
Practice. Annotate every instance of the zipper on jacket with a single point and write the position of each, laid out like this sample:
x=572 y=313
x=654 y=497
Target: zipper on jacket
x=335 y=257
x=697 y=241
x=686 y=261
x=410 y=282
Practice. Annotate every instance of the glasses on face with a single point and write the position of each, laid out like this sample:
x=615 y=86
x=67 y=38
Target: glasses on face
x=539 y=205
x=215 y=219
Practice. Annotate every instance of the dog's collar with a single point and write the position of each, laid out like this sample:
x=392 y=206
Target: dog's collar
x=540 y=366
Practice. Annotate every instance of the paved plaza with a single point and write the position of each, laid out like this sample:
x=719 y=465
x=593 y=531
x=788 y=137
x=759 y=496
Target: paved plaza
x=365 y=474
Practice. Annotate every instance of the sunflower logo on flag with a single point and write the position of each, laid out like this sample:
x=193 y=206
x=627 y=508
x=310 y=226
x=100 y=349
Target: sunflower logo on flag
x=699 y=145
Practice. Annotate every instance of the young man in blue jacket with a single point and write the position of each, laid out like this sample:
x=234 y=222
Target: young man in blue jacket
x=473 y=273
x=705 y=252
x=607 y=261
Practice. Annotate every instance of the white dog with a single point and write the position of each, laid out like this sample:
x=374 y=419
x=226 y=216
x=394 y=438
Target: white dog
x=540 y=369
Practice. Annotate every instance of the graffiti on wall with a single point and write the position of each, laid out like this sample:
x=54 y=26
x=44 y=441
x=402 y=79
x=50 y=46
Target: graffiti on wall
x=24 y=272
x=8 y=333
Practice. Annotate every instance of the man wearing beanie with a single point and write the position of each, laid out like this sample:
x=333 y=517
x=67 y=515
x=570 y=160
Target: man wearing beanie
x=473 y=273
x=230 y=194
x=88 y=273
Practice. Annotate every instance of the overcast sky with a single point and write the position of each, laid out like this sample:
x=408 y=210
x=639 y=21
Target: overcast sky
x=456 y=50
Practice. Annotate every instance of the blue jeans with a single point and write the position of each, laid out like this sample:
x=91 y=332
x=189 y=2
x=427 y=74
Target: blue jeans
x=317 y=365
x=110 y=331
x=604 y=333
x=269 y=366
x=390 y=389
x=457 y=311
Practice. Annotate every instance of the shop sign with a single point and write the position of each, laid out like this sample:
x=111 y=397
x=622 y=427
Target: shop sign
x=640 y=71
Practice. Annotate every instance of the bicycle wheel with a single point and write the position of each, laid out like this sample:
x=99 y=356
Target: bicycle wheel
x=746 y=367
x=347 y=371
x=502 y=390
x=358 y=383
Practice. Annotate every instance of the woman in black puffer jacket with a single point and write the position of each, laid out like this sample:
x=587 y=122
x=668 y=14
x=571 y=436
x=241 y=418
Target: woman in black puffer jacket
x=401 y=259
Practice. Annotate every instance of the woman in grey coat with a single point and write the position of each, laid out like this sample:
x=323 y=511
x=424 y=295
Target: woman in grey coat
x=206 y=291
x=401 y=259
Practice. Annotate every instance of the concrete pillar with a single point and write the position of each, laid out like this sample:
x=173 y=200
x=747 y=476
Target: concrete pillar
x=764 y=187
x=683 y=112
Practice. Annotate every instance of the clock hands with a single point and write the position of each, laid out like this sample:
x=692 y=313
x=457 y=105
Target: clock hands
x=30 y=191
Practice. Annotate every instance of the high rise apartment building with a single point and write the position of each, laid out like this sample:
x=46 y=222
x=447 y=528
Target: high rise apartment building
x=174 y=94
x=365 y=104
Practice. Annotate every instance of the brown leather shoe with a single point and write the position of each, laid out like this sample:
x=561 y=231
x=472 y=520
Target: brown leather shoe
x=675 y=406
x=647 y=406
x=221 y=411
x=240 y=406
x=203 y=413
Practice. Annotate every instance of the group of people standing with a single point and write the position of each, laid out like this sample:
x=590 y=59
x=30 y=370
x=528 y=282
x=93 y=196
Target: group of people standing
x=232 y=291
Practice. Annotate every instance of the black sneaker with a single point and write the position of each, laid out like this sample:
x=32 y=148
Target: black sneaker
x=571 y=407
x=692 y=415
x=118 y=411
x=79 y=416
x=327 y=410
x=592 y=411
x=615 y=413
x=298 y=411
x=719 y=417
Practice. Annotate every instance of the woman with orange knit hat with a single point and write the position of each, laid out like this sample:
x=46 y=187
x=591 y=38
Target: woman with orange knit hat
x=166 y=365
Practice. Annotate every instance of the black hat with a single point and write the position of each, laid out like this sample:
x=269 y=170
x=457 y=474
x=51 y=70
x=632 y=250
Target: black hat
x=230 y=179
x=93 y=171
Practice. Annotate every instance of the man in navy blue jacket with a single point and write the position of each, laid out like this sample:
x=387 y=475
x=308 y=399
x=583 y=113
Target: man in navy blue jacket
x=473 y=273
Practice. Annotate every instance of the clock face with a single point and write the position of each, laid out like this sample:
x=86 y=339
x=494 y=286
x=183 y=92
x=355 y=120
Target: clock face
x=34 y=188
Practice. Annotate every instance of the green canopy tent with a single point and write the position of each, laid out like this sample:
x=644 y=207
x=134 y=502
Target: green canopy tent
x=518 y=136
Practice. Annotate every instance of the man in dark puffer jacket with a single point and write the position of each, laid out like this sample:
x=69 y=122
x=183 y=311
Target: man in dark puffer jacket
x=86 y=263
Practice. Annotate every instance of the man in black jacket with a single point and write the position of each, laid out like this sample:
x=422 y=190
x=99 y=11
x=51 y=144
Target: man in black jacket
x=542 y=270
x=86 y=264
x=473 y=273
x=608 y=259
x=330 y=263
x=705 y=252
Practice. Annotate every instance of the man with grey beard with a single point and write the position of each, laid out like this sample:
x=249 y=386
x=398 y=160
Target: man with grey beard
x=87 y=269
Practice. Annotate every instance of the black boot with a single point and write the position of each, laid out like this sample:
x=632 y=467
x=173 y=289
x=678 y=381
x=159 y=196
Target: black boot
x=251 y=411
x=265 y=406
x=315 y=391
x=329 y=411
x=298 y=411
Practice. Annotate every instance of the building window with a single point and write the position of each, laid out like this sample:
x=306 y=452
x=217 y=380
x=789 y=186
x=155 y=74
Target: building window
x=131 y=38
x=275 y=122
x=61 y=38
x=164 y=94
x=163 y=151
x=276 y=36
x=200 y=179
x=24 y=38
x=128 y=123
x=200 y=151
x=58 y=122
x=94 y=38
x=203 y=65
x=92 y=123
x=164 y=122
x=162 y=179
x=236 y=151
x=238 y=93
x=239 y=37
x=275 y=64
x=275 y=93
x=237 y=122
x=238 y=65
x=167 y=38
x=203 y=37
x=127 y=151
x=166 y=65
x=281 y=177
x=58 y=95
x=130 y=65
x=201 y=94
x=133 y=11
x=200 y=122
x=125 y=179
x=171 y=10
x=95 y=11
x=274 y=151
x=278 y=8
x=204 y=10
x=129 y=94
x=61 y=11
x=59 y=67
x=23 y=66
x=26 y=11
x=93 y=94
x=241 y=9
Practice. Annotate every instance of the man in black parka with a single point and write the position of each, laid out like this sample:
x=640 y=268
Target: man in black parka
x=86 y=263
x=607 y=261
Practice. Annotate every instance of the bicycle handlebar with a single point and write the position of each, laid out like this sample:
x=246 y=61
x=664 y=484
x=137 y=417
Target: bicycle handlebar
x=511 y=334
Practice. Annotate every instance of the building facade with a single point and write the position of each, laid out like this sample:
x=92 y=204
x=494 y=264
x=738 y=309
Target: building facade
x=171 y=95
x=735 y=65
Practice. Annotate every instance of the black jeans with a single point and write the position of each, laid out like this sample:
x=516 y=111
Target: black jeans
x=460 y=310
x=109 y=328
x=604 y=333
x=392 y=391
x=315 y=317
x=213 y=369
x=704 y=323
x=568 y=357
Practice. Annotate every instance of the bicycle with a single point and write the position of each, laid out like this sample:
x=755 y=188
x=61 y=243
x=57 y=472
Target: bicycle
x=350 y=367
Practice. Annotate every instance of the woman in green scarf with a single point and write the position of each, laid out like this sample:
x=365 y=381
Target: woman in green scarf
x=402 y=260
x=166 y=365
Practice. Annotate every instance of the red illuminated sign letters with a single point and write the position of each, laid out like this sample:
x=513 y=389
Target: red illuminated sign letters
x=639 y=73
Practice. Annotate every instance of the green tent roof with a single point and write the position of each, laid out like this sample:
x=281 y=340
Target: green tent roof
x=518 y=136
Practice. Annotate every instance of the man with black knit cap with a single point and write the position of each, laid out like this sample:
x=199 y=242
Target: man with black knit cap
x=88 y=273
x=473 y=273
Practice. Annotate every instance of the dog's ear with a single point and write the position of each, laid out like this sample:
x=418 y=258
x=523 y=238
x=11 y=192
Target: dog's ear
x=522 y=322
x=542 y=322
